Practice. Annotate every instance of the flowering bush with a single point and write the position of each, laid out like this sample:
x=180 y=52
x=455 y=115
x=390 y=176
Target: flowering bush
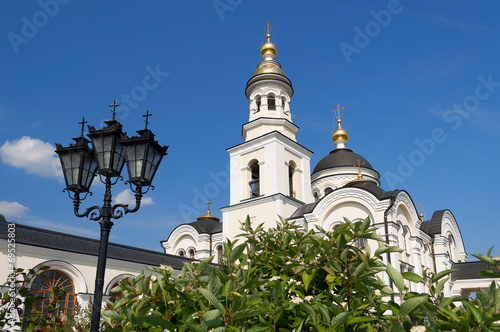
x=285 y=279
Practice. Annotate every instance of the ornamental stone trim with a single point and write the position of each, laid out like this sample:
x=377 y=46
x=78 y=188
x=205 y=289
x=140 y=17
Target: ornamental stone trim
x=179 y=230
x=351 y=193
x=404 y=198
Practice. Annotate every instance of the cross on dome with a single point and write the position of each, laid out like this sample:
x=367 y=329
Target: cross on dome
x=208 y=205
x=340 y=135
x=338 y=110
x=268 y=27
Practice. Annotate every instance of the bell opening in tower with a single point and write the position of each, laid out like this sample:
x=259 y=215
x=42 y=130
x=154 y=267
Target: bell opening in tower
x=255 y=179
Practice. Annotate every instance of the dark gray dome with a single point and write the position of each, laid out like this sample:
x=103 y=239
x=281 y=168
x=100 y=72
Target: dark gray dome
x=342 y=157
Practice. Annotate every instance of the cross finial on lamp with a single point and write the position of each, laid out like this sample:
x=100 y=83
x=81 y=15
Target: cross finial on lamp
x=147 y=115
x=114 y=108
x=83 y=122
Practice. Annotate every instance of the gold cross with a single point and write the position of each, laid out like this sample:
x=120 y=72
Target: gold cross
x=83 y=125
x=114 y=107
x=420 y=207
x=358 y=165
x=268 y=26
x=147 y=115
x=338 y=110
x=208 y=204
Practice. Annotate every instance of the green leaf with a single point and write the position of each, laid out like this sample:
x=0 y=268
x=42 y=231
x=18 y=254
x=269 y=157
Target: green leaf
x=396 y=327
x=413 y=277
x=153 y=320
x=409 y=305
x=475 y=311
x=236 y=252
x=340 y=319
x=212 y=299
x=396 y=277
x=211 y=315
x=246 y=313
x=488 y=260
x=307 y=276
x=440 y=286
x=442 y=274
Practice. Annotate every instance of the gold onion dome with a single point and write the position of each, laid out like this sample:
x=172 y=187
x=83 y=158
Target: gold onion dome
x=268 y=48
x=268 y=52
x=340 y=134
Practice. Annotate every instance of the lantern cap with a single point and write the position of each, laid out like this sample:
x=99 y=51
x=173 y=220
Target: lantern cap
x=79 y=142
x=145 y=134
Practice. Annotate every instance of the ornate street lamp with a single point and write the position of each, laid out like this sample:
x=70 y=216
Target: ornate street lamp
x=111 y=149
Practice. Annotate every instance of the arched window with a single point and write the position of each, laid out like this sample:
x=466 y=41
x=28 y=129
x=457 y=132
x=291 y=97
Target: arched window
x=181 y=253
x=316 y=196
x=328 y=190
x=118 y=295
x=191 y=253
x=219 y=253
x=43 y=286
x=283 y=101
x=258 y=102
x=291 y=171
x=271 y=102
x=254 y=178
x=451 y=246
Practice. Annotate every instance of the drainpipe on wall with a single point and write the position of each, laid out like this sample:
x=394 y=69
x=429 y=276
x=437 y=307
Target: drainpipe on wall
x=210 y=245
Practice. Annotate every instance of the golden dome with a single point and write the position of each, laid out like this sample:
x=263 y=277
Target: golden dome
x=268 y=68
x=340 y=134
x=268 y=48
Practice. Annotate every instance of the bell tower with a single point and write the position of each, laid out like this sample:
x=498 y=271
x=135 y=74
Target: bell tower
x=270 y=171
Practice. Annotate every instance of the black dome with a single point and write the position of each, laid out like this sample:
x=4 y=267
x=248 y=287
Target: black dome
x=341 y=158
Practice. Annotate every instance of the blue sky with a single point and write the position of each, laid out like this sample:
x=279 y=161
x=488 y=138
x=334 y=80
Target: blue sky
x=419 y=80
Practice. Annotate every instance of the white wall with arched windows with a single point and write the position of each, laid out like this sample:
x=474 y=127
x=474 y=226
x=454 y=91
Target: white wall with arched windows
x=270 y=100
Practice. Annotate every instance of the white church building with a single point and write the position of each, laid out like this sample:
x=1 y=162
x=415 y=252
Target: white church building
x=270 y=176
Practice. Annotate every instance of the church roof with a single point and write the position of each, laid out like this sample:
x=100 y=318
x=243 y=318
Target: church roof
x=365 y=185
x=72 y=243
x=207 y=226
x=469 y=270
x=341 y=158
x=373 y=189
x=433 y=226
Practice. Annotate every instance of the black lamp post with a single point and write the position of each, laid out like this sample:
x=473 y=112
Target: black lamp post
x=111 y=148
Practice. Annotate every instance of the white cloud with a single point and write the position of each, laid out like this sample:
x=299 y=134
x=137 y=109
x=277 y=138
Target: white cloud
x=32 y=155
x=127 y=197
x=12 y=209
